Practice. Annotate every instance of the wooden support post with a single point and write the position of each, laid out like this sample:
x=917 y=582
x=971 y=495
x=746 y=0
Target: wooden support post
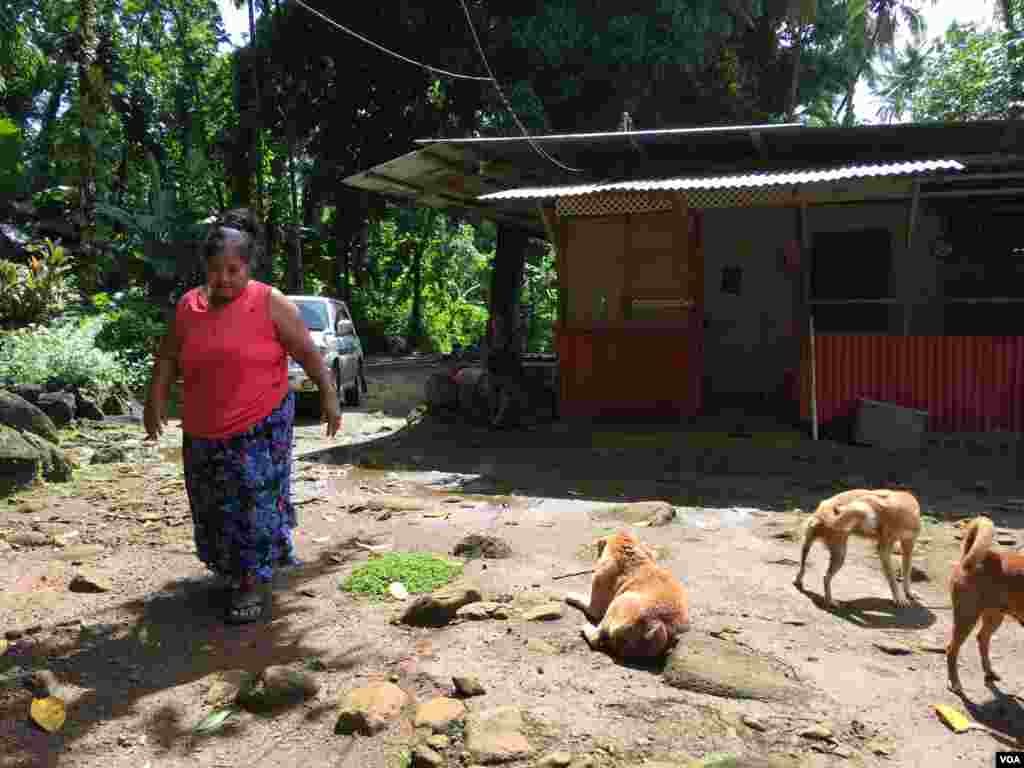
x=805 y=245
x=915 y=201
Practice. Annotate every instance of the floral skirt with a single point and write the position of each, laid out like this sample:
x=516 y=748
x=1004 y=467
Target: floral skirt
x=239 y=489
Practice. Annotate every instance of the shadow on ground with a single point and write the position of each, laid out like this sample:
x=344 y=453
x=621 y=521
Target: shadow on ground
x=692 y=465
x=876 y=613
x=1002 y=713
x=176 y=638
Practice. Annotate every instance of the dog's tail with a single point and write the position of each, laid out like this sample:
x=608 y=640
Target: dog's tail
x=977 y=542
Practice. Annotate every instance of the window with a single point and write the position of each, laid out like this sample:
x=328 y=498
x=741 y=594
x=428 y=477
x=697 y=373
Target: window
x=314 y=314
x=850 y=281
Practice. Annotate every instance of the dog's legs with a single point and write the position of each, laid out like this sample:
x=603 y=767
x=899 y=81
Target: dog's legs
x=837 y=555
x=907 y=545
x=592 y=635
x=577 y=600
x=885 y=555
x=809 y=539
x=990 y=621
x=964 y=619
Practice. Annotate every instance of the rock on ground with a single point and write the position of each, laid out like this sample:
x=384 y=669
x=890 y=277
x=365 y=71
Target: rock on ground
x=437 y=714
x=652 y=513
x=440 y=606
x=53 y=464
x=108 y=454
x=704 y=664
x=497 y=736
x=476 y=545
x=371 y=709
x=279 y=686
x=226 y=686
x=468 y=686
x=545 y=612
x=88 y=582
x=59 y=406
x=19 y=413
x=19 y=460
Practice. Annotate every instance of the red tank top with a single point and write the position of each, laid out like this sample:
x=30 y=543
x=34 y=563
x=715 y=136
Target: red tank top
x=233 y=367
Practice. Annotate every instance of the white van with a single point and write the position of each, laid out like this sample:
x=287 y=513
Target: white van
x=334 y=334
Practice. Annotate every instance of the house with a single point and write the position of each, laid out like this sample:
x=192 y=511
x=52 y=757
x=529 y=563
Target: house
x=806 y=267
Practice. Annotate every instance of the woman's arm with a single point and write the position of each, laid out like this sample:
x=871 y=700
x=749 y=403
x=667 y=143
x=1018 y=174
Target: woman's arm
x=165 y=371
x=298 y=343
x=296 y=340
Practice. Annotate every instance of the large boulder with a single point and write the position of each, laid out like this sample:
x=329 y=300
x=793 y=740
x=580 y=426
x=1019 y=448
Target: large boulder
x=52 y=463
x=30 y=392
x=19 y=460
x=19 y=413
x=59 y=406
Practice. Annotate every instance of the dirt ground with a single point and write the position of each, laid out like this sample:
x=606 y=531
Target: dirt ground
x=134 y=663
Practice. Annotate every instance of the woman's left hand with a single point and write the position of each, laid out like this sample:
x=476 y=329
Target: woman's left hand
x=331 y=412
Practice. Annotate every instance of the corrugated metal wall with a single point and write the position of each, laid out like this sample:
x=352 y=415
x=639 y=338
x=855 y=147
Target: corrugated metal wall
x=966 y=383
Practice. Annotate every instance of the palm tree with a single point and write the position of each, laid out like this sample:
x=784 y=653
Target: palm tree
x=90 y=85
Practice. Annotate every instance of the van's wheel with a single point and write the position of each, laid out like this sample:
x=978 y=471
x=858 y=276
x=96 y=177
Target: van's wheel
x=352 y=394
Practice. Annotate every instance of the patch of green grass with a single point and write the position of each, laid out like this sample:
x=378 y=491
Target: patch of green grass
x=418 y=571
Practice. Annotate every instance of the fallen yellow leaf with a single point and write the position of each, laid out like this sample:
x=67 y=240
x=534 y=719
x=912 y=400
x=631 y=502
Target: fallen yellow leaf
x=48 y=713
x=953 y=718
x=4 y=645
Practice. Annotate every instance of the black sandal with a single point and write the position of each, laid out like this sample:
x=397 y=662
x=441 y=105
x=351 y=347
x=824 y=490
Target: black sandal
x=247 y=606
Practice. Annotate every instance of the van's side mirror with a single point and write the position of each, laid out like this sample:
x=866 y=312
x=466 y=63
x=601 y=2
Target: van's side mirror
x=346 y=328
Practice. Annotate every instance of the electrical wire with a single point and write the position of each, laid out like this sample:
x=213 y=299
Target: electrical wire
x=536 y=147
x=379 y=47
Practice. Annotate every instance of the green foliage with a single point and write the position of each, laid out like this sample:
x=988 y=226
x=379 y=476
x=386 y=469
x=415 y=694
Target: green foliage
x=34 y=292
x=10 y=159
x=969 y=76
x=131 y=326
x=418 y=571
x=67 y=351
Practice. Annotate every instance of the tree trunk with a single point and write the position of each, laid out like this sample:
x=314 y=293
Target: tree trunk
x=90 y=88
x=257 y=145
x=342 y=237
x=416 y=315
x=504 y=338
x=274 y=221
x=794 y=83
x=295 y=281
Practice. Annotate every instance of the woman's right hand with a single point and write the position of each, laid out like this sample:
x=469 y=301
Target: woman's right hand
x=154 y=417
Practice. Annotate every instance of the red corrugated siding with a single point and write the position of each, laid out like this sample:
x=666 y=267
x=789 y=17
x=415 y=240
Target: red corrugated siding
x=629 y=372
x=966 y=383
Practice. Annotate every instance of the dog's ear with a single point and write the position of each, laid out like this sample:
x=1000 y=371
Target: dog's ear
x=600 y=544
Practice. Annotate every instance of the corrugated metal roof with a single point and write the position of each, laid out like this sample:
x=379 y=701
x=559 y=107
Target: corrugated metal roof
x=733 y=181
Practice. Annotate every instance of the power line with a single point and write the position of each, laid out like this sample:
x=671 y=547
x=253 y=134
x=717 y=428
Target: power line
x=536 y=147
x=379 y=47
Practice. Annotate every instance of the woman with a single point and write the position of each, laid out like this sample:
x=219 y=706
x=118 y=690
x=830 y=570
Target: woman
x=230 y=340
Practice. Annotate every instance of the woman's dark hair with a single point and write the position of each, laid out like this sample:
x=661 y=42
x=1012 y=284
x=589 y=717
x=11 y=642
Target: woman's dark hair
x=240 y=220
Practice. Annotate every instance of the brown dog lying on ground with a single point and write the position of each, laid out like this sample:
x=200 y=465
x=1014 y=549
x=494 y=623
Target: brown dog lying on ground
x=984 y=585
x=639 y=607
x=881 y=515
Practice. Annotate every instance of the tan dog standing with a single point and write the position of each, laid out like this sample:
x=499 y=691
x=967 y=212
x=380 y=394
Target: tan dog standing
x=639 y=608
x=880 y=515
x=984 y=585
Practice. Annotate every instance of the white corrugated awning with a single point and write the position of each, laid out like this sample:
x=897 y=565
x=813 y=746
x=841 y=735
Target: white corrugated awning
x=734 y=181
